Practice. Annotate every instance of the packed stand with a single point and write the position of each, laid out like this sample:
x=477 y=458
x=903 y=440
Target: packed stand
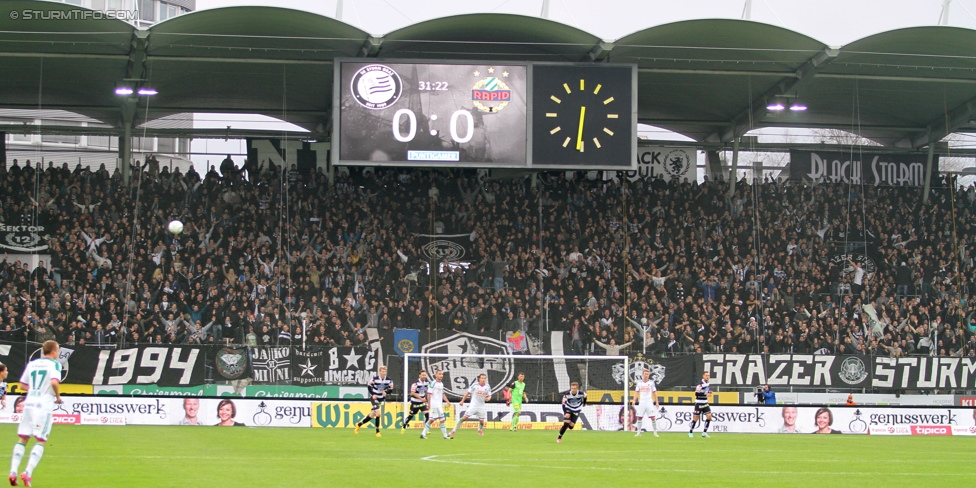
x=271 y=257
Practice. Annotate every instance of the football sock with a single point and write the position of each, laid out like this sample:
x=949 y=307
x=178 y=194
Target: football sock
x=377 y=419
x=18 y=455
x=654 y=423
x=426 y=428
x=514 y=420
x=638 y=426
x=35 y=457
x=406 y=423
x=364 y=421
x=444 y=429
x=706 y=425
x=694 y=423
x=563 y=430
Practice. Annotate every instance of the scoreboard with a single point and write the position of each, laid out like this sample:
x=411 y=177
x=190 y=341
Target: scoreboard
x=484 y=115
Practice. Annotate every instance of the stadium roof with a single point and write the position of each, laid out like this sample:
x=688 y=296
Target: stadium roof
x=707 y=79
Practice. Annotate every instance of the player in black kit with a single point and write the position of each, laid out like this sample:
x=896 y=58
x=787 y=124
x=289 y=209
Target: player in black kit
x=573 y=401
x=701 y=405
x=418 y=400
x=378 y=386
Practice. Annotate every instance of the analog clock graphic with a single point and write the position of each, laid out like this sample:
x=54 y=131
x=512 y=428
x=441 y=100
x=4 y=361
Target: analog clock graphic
x=583 y=116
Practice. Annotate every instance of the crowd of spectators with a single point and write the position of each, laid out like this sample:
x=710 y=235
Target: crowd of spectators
x=272 y=256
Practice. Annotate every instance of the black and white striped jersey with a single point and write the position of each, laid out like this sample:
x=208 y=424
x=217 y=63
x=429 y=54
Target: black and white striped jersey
x=573 y=402
x=379 y=387
x=420 y=389
x=701 y=393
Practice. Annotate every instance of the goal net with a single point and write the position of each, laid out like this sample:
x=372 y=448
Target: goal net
x=605 y=379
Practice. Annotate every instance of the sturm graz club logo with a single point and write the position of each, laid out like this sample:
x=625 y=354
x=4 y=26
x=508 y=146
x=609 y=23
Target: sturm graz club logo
x=852 y=371
x=637 y=367
x=441 y=249
x=462 y=372
x=376 y=86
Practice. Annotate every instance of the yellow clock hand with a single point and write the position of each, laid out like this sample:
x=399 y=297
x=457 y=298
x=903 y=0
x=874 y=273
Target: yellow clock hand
x=579 y=134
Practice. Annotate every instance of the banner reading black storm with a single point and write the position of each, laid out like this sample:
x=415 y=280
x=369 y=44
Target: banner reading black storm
x=871 y=169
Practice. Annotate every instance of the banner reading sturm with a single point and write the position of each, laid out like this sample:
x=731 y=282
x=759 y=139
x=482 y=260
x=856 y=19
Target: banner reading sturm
x=820 y=370
x=872 y=169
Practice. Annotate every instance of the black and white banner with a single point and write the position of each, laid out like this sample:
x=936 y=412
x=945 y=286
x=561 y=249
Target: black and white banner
x=141 y=365
x=23 y=238
x=333 y=366
x=862 y=168
x=905 y=373
x=675 y=163
x=270 y=365
x=447 y=247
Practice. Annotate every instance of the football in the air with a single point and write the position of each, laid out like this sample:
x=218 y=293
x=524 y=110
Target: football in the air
x=175 y=227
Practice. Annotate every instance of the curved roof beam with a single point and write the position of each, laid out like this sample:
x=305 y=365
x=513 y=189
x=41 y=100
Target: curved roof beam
x=740 y=123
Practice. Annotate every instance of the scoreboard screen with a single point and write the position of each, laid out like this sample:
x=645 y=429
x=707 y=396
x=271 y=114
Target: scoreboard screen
x=422 y=114
x=485 y=114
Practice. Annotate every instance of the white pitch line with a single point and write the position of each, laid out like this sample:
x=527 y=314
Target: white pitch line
x=435 y=459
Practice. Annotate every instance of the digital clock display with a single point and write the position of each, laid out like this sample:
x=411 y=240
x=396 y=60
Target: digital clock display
x=421 y=114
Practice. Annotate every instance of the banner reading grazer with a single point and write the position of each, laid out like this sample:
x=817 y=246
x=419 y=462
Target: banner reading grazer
x=904 y=373
x=868 y=168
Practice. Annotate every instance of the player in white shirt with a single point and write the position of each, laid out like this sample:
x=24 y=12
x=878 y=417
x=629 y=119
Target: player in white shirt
x=3 y=385
x=435 y=401
x=480 y=393
x=645 y=398
x=42 y=382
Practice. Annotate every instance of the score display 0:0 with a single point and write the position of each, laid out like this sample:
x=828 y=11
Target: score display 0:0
x=412 y=125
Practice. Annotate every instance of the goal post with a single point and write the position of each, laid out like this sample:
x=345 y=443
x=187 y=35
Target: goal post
x=547 y=376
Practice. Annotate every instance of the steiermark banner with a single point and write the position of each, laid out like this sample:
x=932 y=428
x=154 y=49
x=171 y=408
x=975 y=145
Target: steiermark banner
x=258 y=391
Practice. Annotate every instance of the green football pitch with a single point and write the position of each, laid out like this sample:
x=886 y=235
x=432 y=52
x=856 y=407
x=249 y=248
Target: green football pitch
x=211 y=457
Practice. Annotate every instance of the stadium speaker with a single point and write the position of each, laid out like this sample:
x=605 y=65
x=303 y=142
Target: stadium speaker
x=306 y=160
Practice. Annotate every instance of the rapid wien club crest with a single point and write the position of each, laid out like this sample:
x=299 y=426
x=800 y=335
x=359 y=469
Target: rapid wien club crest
x=637 y=366
x=460 y=373
x=490 y=93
